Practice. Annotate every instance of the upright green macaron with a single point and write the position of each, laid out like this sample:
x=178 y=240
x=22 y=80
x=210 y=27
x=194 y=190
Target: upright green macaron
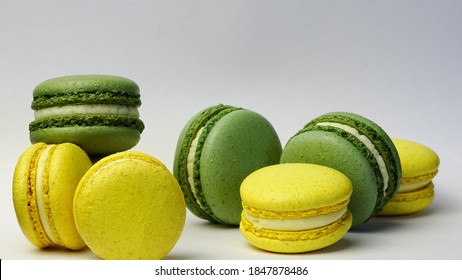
x=357 y=147
x=99 y=113
x=216 y=150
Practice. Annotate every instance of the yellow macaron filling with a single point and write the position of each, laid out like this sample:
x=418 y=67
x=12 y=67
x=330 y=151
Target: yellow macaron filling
x=43 y=203
x=295 y=235
x=294 y=220
x=38 y=203
x=414 y=183
x=110 y=109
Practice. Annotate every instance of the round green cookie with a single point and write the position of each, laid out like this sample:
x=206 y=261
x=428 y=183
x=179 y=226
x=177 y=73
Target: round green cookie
x=357 y=147
x=97 y=112
x=216 y=150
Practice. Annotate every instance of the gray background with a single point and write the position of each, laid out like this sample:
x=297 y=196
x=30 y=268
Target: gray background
x=395 y=62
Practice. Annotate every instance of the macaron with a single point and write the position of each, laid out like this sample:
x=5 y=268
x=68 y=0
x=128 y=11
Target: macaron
x=44 y=182
x=128 y=205
x=420 y=165
x=99 y=113
x=295 y=207
x=357 y=147
x=216 y=150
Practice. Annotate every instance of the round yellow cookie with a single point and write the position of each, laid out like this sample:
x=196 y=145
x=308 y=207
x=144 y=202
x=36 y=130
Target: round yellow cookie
x=295 y=207
x=129 y=206
x=419 y=166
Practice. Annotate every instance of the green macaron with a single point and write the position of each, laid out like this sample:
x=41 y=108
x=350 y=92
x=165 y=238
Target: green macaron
x=216 y=150
x=357 y=147
x=97 y=112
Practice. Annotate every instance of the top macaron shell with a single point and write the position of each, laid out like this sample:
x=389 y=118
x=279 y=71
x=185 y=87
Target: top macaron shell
x=233 y=143
x=129 y=206
x=319 y=142
x=73 y=113
x=418 y=161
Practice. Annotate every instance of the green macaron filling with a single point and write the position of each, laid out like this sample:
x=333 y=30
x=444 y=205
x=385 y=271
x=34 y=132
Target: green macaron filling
x=86 y=121
x=79 y=98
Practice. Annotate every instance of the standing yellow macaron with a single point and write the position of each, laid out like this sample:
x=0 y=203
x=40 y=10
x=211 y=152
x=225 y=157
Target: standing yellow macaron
x=295 y=207
x=419 y=165
x=44 y=182
x=129 y=206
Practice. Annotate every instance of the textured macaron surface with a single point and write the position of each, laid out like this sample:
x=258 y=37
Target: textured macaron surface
x=295 y=187
x=44 y=183
x=416 y=191
x=129 y=206
x=216 y=150
x=357 y=147
x=295 y=207
x=418 y=161
x=86 y=89
x=97 y=112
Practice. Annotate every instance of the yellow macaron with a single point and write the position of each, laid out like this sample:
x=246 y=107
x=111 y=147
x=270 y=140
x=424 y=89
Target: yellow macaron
x=44 y=182
x=419 y=166
x=295 y=207
x=129 y=206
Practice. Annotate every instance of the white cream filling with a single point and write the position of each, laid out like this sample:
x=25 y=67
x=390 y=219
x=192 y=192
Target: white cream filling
x=190 y=166
x=297 y=223
x=412 y=187
x=368 y=143
x=112 y=109
x=40 y=195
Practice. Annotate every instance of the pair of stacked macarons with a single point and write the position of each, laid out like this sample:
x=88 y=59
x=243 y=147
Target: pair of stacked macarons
x=337 y=172
x=127 y=205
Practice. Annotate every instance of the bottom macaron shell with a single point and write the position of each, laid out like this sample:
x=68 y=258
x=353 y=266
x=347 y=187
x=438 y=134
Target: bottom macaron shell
x=95 y=140
x=409 y=202
x=296 y=241
x=129 y=206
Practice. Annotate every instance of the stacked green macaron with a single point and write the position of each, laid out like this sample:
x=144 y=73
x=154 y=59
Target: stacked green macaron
x=97 y=112
x=216 y=150
x=357 y=147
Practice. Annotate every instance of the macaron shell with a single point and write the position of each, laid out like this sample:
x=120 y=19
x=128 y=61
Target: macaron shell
x=86 y=83
x=238 y=144
x=409 y=202
x=329 y=149
x=67 y=163
x=129 y=206
x=21 y=197
x=299 y=241
x=67 y=167
x=417 y=160
x=95 y=140
x=295 y=187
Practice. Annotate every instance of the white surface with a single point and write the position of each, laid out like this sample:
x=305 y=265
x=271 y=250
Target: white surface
x=395 y=62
